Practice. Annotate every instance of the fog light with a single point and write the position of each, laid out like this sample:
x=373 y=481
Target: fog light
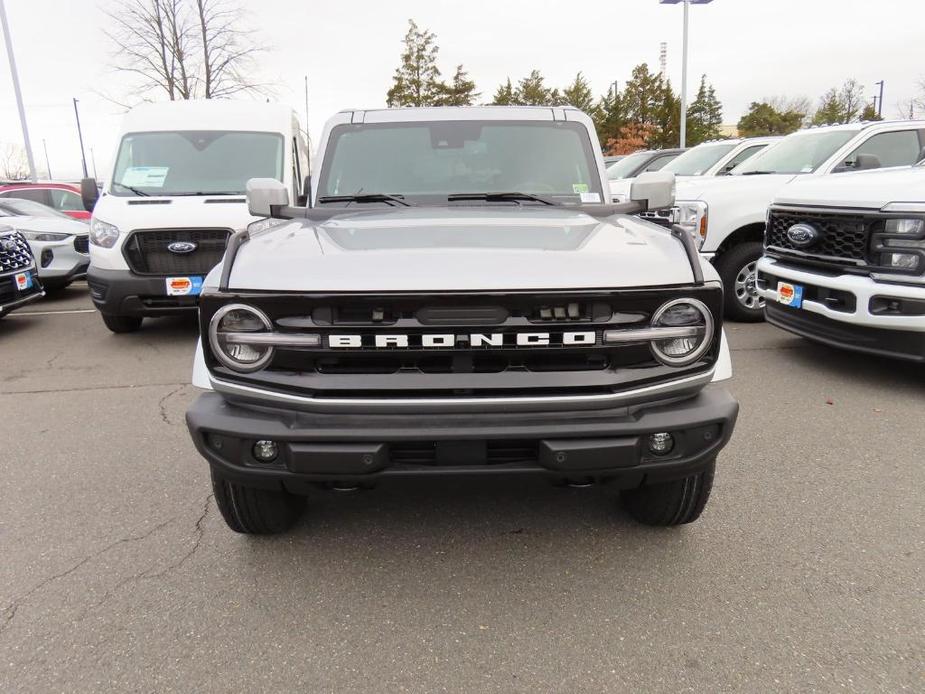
x=266 y=451
x=661 y=443
x=47 y=256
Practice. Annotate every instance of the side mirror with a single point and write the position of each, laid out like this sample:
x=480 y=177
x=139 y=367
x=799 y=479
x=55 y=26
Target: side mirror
x=89 y=193
x=866 y=161
x=655 y=189
x=263 y=194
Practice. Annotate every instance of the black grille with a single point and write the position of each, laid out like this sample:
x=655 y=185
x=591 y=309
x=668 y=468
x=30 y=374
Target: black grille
x=147 y=254
x=82 y=244
x=844 y=238
x=15 y=255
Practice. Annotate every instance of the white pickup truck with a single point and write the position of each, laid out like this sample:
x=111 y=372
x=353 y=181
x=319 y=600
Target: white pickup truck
x=844 y=262
x=727 y=214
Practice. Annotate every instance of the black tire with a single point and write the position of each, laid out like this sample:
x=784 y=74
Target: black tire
x=736 y=268
x=121 y=324
x=253 y=511
x=670 y=503
x=54 y=287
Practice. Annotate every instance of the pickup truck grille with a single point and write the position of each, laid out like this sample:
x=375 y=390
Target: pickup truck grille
x=844 y=238
x=147 y=251
x=14 y=252
x=465 y=366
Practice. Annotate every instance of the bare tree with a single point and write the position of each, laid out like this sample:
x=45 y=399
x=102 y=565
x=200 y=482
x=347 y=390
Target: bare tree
x=13 y=164
x=186 y=49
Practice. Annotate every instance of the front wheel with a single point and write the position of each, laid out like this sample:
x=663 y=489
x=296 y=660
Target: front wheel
x=670 y=503
x=738 y=268
x=253 y=511
x=121 y=324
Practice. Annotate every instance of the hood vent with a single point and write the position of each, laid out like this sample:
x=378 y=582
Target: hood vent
x=225 y=201
x=149 y=202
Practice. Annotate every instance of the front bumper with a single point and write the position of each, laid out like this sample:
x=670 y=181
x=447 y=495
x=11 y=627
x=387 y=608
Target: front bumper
x=123 y=293
x=12 y=298
x=848 y=311
x=59 y=262
x=600 y=445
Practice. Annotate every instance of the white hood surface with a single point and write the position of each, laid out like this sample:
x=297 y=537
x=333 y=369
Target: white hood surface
x=460 y=249
x=48 y=225
x=861 y=189
x=711 y=188
x=184 y=212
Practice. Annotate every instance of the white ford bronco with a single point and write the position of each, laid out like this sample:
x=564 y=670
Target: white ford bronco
x=458 y=297
x=844 y=262
x=727 y=214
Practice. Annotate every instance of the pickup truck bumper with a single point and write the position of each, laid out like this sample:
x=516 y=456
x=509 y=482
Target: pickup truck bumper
x=123 y=293
x=848 y=311
x=353 y=449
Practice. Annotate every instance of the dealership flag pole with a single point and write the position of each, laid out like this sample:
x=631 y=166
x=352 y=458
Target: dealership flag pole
x=15 y=75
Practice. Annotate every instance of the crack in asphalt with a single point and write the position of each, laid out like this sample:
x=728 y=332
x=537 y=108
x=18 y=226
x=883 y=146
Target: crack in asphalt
x=162 y=405
x=89 y=388
x=11 y=609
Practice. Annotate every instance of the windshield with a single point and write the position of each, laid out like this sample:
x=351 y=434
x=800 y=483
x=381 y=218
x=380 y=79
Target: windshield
x=696 y=161
x=628 y=165
x=798 y=153
x=195 y=162
x=429 y=161
x=28 y=208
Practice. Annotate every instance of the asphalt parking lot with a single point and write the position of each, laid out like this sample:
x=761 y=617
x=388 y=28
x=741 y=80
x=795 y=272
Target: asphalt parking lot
x=804 y=574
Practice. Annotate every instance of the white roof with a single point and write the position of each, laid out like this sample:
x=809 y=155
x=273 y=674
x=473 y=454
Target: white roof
x=209 y=114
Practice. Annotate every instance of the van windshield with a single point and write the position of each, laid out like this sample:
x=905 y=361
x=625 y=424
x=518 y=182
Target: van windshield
x=195 y=162
x=433 y=161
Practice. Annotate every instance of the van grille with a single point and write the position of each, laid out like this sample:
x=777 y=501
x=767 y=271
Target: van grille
x=147 y=251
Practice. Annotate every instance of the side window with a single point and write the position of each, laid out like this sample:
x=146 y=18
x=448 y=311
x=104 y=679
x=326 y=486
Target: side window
x=900 y=148
x=742 y=156
x=36 y=194
x=659 y=162
x=65 y=200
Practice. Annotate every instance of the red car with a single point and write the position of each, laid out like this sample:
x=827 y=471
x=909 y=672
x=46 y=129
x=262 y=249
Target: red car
x=64 y=197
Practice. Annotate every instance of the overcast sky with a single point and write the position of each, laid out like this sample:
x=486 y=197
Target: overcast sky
x=749 y=49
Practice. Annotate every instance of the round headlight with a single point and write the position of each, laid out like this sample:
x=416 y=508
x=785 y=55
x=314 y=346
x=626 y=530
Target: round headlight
x=230 y=331
x=690 y=344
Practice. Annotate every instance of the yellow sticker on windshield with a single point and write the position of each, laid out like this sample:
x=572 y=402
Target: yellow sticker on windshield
x=579 y=187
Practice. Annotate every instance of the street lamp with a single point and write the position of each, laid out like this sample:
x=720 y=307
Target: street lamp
x=687 y=3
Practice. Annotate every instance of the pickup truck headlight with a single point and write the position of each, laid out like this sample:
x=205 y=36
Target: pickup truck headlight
x=43 y=235
x=899 y=245
x=693 y=218
x=905 y=227
x=688 y=326
x=234 y=335
x=103 y=234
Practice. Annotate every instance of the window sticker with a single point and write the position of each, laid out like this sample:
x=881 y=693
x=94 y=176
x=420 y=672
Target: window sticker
x=590 y=197
x=579 y=187
x=145 y=176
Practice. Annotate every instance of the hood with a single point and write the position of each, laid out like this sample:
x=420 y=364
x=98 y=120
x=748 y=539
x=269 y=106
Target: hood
x=129 y=213
x=866 y=189
x=708 y=188
x=49 y=225
x=460 y=249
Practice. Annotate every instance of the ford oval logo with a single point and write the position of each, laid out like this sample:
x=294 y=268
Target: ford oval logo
x=181 y=247
x=802 y=235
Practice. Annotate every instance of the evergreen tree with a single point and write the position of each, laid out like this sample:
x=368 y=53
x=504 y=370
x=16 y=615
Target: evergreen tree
x=609 y=116
x=763 y=118
x=643 y=96
x=505 y=95
x=667 y=126
x=416 y=81
x=532 y=90
x=579 y=95
x=460 y=92
x=840 y=105
x=704 y=116
x=870 y=113
x=830 y=109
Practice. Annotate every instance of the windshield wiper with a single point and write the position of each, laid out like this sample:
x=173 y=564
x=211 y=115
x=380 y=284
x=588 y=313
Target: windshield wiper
x=133 y=190
x=367 y=197
x=489 y=197
x=193 y=193
x=756 y=173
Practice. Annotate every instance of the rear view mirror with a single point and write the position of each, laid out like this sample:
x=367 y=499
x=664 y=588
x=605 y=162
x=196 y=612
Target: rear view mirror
x=263 y=194
x=655 y=189
x=864 y=162
x=89 y=193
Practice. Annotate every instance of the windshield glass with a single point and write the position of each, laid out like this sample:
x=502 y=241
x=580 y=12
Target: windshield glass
x=627 y=166
x=28 y=208
x=195 y=162
x=798 y=153
x=696 y=161
x=432 y=160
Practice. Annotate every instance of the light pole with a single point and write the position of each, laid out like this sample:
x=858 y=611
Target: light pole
x=16 y=90
x=687 y=4
x=47 y=164
x=83 y=157
x=880 y=101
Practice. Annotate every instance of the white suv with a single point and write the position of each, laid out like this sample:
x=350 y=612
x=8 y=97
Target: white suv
x=845 y=262
x=727 y=214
